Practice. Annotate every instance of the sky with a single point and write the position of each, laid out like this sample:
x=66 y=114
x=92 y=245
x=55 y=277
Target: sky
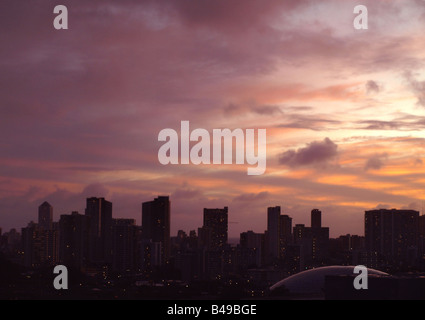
x=344 y=109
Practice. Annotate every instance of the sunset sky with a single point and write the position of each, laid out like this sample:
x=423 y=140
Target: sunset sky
x=344 y=109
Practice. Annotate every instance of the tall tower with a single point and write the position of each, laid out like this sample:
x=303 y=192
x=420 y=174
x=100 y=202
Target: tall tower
x=273 y=223
x=316 y=218
x=99 y=212
x=73 y=239
x=392 y=234
x=216 y=222
x=45 y=216
x=156 y=223
x=285 y=234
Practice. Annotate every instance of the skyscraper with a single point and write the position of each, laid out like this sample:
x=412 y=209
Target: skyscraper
x=73 y=239
x=45 y=216
x=316 y=218
x=285 y=234
x=252 y=247
x=124 y=244
x=313 y=241
x=99 y=212
x=422 y=226
x=273 y=216
x=392 y=234
x=216 y=221
x=156 y=224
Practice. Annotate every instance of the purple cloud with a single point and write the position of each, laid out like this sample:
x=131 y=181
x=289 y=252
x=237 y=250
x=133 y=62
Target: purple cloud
x=317 y=152
x=375 y=162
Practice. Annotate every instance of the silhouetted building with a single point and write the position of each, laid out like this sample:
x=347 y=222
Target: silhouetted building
x=392 y=235
x=40 y=241
x=272 y=241
x=11 y=245
x=73 y=239
x=99 y=212
x=31 y=245
x=216 y=221
x=347 y=250
x=45 y=216
x=40 y=246
x=278 y=235
x=314 y=242
x=421 y=222
x=285 y=235
x=123 y=245
x=422 y=240
x=150 y=257
x=316 y=218
x=156 y=224
x=212 y=239
x=252 y=249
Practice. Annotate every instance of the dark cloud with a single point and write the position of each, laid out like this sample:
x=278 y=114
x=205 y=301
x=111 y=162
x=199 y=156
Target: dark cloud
x=383 y=206
x=375 y=162
x=315 y=123
x=417 y=87
x=382 y=125
x=249 y=197
x=235 y=109
x=403 y=123
x=372 y=87
x=267 y=110
x=317 y=152
x=413 y=206
x=233 y=16
x=186 y=193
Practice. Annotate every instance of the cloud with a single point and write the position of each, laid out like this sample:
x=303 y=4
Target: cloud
x=264 y=110
x=249 y=197
x=267 y=110
x=187 y=193
x=383 y=206
x=372 y=87
x=317 y=152
x=417 y=87
x=375 y=162
x=315 y=123
x=404 y=123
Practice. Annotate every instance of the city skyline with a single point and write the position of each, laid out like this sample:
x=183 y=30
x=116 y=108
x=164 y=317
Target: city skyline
x=314 y=218
x=81 y=109
x=108 y=253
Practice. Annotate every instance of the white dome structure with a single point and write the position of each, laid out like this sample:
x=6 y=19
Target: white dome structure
x=312 y=282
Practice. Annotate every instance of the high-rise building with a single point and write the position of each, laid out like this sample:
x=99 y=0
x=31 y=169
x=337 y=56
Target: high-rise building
x=150 y=257
x=392 y=234
x=279 y=234
x=40 y=240
x=45 y=216
x=422 y=225
x=32 y=246
x=99 y=212
x=285 y=234
x=213 y=242
x=156 y=224
x=216 y=221
x=73 y=239
x=124 y=245
x=252 y=246
x=273 y=217
x=421 y=243
x=316 y=218
x=313 y=241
